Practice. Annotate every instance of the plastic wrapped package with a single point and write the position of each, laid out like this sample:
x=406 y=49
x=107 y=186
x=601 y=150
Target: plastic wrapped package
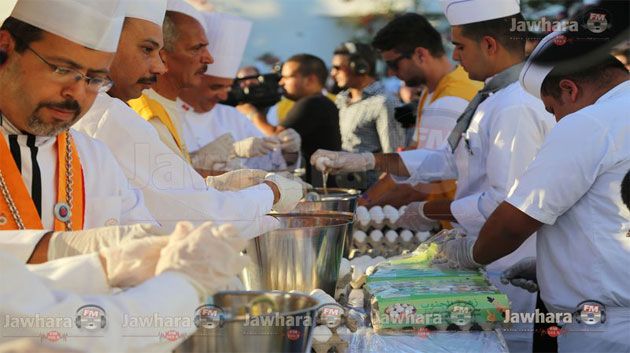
x=366 y=341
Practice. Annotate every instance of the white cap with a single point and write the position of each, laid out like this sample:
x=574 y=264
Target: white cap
x=149 y=10
x=461 y=12
x=93 y=24
x=227 y=38
x=533 y=74
x=187 y=9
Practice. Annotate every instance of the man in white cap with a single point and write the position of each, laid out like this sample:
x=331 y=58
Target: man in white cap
x=494 y=140
x=173 y=190
x=204 y=120
x=186 y=57
x=164 y=277
x=52 y=178
x=570 y=196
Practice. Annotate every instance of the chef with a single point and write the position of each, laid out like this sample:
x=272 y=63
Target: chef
x=186 y=57
x=163 y=276
x=173 y=190
x=494 y=140
x=53 y=178
x=570 y=195
x=204 y=120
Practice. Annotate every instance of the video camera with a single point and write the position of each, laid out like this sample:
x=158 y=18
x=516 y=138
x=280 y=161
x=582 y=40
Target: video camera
x=262 y=94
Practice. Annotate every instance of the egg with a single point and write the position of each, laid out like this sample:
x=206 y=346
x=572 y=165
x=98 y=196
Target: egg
x=363 y=216
x=391 y=236
x=322 y=162
x=377 y=215
x=391 y=214
x=376 y=235
x=406 y=235
x=422 y=236
x=359 y=236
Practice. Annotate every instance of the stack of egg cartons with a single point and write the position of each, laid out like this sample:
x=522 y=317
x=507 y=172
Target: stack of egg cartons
x=375 y=233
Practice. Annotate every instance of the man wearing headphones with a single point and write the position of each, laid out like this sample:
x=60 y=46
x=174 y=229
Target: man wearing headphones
x=366 y=111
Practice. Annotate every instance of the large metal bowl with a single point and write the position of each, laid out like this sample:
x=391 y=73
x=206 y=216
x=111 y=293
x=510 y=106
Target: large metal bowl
x=302 y=255
x=261 y=322
x=335 y=199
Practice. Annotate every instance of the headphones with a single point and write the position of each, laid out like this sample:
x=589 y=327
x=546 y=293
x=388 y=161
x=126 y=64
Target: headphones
x=101 y=311
x=358 y=64
x=578 y=313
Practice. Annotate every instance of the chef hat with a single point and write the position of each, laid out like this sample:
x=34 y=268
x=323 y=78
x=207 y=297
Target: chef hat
x=227 y=38
x=187 y=9
x=149 y=10
x=93 y=24
x=461 y=12
x=534 y=72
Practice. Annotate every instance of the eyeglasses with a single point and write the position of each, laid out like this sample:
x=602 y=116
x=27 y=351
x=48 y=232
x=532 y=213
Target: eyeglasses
x=67 y=75
x=393 y=64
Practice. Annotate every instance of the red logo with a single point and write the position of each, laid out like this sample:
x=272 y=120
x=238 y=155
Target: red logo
x=554 y=331
x=171 y=335
x=53 y=336
x=293 y=334
x=423 y=332
x=560 y=40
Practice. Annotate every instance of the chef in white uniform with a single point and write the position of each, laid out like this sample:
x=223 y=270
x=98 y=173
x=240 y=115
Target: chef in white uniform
x=159 y=284
x=172 y=189
x=570 y=195
x=204 y=119
x=53 y=179
x=493 y=142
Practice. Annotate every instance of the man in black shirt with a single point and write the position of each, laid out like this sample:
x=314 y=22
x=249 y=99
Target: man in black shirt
x=314 y=116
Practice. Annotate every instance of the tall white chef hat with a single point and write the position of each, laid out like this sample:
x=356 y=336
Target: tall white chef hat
x=187 y=9
x=93 y=24
x=534 y=72
x=149 y=10
x=461 y=12
x=227 y=38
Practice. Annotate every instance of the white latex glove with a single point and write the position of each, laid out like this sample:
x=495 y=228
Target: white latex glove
x=522 y=274
x=291 y=192
x=413 y=218
x=291 y=140
x=208 y=255
x=64 y=244
x=255 y=146
x=217 y=152
x=305 y=186
x=457 y=253
x=236 y=179
x=133 y=262
x=342 y=162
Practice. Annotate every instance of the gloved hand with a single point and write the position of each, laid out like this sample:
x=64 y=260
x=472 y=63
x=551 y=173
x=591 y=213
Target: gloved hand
x=291 y=192
x=291 y=140
x=64 y=244
x=522 y=274
x=209 y=256
x=255 y=146
x=342 y=162
x=236 y=179
x=305 y=186
x=216 y=152
x=457 y=253
x=132 y=262
x=414 y=218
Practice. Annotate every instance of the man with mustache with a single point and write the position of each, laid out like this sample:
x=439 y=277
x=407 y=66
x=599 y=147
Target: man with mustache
x=52 y=178
x=173 y=190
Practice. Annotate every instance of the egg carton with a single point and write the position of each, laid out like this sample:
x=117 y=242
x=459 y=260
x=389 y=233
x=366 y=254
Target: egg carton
x=385 y=242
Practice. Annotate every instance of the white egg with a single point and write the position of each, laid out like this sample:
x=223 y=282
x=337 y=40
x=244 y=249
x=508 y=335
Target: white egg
x=322 y=333
x=406 y=235
x=376 y=235
x=344 y=267
x=377 y=215
x=359 y=236
x=391 y=236
x=362 y=213
x=391 y=214
x=423 y=236
x=401 y=210
x=321 y=162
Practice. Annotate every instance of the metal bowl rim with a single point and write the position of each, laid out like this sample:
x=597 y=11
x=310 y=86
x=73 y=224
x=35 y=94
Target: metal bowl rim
x=274 y=292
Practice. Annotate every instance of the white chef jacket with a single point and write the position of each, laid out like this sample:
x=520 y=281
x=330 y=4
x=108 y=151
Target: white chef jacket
x=109 y=200
x=172 y=189
x=505 y=134
x=573 y=187
x=201 y=129
x=58 y=288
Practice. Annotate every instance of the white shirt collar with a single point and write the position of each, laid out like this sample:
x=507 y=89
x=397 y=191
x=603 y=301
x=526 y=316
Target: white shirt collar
x=619 y=89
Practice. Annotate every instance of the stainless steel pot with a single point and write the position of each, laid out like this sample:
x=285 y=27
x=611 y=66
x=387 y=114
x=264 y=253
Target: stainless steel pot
x=336 y=199
x=302 y=255
x=262 y=322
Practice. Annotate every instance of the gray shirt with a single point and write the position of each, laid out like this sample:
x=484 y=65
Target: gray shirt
x=368 y=125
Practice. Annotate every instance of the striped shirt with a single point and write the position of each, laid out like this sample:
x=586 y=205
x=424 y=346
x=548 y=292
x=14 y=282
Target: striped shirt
x=368 y=125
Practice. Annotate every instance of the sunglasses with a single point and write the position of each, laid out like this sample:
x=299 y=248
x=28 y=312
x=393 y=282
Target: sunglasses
x=393 y=64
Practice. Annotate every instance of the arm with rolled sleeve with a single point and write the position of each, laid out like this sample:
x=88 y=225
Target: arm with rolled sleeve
x=514 y=140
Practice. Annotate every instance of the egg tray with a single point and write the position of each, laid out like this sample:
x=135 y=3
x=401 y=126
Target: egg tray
x=384 y=247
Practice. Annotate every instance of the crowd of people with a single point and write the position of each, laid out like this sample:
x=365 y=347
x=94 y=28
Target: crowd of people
x=123 y=166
